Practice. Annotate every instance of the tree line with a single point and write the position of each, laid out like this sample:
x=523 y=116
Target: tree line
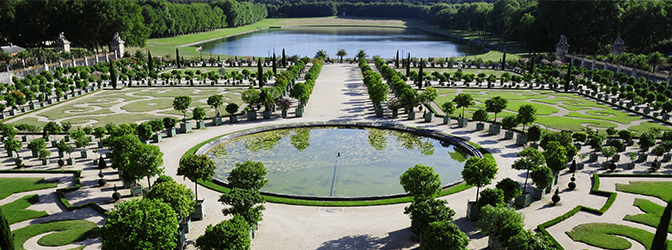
x=590 y=26
x=92 y=24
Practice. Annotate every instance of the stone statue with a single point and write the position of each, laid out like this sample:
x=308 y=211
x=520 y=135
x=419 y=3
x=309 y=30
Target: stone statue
x=618 y=47
x=61 y=36
x=563 y=39
x=561 y=48
x=62 y=43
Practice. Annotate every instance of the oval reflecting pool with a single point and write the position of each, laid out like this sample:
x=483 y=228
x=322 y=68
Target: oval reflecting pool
x=305 y=41
x=338 y=162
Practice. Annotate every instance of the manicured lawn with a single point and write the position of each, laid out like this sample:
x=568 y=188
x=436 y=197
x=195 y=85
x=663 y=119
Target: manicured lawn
x=67 y=232
x=607 y=114
x=659 y=189
x=116 y=119
x=646 y=126
x=17 y=185
x=651 y=216
x=16 y=211
x=562 y=123
x=604 y=235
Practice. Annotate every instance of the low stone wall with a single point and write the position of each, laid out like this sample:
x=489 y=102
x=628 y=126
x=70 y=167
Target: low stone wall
x=345 y=124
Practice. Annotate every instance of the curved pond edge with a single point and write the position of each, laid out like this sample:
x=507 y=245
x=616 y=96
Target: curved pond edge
x=222 y=186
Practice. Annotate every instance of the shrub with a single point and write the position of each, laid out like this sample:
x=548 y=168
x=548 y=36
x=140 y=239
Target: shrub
x=116 y=196
x=510 y=188
x=102 y=182
x=556 y=197
x=580 y=136
x=571 y=185
x=492 y=197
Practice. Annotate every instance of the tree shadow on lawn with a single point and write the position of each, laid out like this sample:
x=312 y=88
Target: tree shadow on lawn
x=399 y=239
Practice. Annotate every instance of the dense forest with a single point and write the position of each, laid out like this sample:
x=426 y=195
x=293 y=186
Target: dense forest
x=590 y=26
x=91 y=24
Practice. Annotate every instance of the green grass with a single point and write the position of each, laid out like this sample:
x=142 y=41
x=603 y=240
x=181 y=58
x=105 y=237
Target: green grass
x=659 y=189
x=604 y=235
x=149 y=105
x=646 y=126
x=542 y=109
x=29 y=120
x=67 y=232
x=608 y=115
x=16 y=211
x=17 y=185
x=78 y=248
x=651 y=215
x=562 y=123
x=116 y=118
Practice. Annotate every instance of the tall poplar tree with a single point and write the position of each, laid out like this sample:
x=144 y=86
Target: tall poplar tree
x=113 y=75
x=275 y=71
x=177 y=53
x=408 y=64
x=150 y=62
x=6 y=236
x=260 y=72
x=396 y=60
x=284 y=58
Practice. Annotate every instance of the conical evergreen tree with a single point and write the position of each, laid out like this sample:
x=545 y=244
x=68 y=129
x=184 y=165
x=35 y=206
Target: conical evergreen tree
x=284 y=59
x=177 y=53
x=113 y=75
x=275 y=71
x=408 y=64
x=660 y=240
x=260 y=73
x=6 y=235
x=396 y=60
x=150 y=62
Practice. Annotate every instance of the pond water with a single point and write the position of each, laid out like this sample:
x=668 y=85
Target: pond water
x=306 y=161
x=305 y=41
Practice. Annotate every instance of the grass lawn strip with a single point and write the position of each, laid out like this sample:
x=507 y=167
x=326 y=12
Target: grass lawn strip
x=116 y=119
x=659 y=189
x=17 y=185
x=646 y=126
x=563 y=123
x=603 y=235
x=608 y=115
x=651 y=215
x=16 y=211
x=68 y=232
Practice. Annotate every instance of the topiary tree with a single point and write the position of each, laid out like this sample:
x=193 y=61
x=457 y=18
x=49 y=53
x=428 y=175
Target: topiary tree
x=169 y=122
x=556 y=197
x=534 y=133
x=181 y=103
x=555 y=156
x=463 y=100
x=646 y=141
x=128 y=224
x=251 y=96
x=425 y=211
x=144 y=131
x=479 y=172
x=195 y=168
x=248 y=175
x=542 y=177
x=444 y=235
x=421 y=182
x=216 y=101
x=530 y=159
x=510 y=122
x=243 y=202
x=232 y=108
x=492 y=197
x=496 y=105
x=6 y=235
x=526 y=114
x=660 y=239
x=233 y=234
x=510 y=188
x=199 y=113
x=176 y=195
x=448 y=107
x=480 y=115
x=496 y=219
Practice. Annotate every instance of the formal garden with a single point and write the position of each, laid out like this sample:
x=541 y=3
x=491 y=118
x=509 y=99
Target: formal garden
x=564 y=150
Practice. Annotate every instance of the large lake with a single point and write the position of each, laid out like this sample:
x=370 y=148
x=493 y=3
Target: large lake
x=305 y=41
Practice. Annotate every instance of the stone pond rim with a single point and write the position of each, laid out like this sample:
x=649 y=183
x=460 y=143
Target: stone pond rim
x=455 y=141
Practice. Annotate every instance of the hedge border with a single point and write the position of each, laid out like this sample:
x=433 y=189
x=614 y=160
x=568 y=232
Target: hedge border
x=60 y=192
x=594 y=190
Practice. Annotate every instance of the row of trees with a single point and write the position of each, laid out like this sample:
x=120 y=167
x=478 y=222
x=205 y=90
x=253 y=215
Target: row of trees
x=32 y=23
x=331 y=8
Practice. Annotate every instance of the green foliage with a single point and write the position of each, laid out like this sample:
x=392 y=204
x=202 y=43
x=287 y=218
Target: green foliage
x=6 y=235
x=495 y=219
x=534 y=133
x=421 y=182
x=492 y=197
x=169 y=122
x=140 y=224
x=232 y=108
x=479 y=172
x=251 y=96
x=463 y=100
x=17 y=185
x=199 y=113
x=243 y=202
x=181 y=103
x=144 y=131
x=606 y=235
x=510 y=188
x=527 y=240
x=555 y=156
x=215 y=102
x=542 y=177
x=232 y=234
x=526 y=114
x=448 y=107
x=510 y=122
x=176 y=195
x=424 y=212
x=248 y=175
x=66 y=232
x=646 y=141
x=444 y=235
x=480 y=115
x=496 y=105
x=197 y=167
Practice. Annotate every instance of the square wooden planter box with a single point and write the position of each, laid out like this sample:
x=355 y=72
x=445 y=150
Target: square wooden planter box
x=494 y=129
x=411 y=116
x=446 y=120
x=472 y=211
x=462 y=122
x=538 y=193
x=185 y=127
x=524 y=200
x=171 y=132
x=429 y=117
x=200 y=124
x=508 y=135
x=252 y=115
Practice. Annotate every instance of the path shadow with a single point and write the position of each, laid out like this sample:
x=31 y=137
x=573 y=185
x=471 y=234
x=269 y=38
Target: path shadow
x=509 y=155
x=400 y=239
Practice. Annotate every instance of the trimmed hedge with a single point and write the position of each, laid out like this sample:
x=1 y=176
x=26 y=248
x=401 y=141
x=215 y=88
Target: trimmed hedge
x=60 y=193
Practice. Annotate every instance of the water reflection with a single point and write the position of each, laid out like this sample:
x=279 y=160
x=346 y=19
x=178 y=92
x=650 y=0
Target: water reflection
x=306 y=161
